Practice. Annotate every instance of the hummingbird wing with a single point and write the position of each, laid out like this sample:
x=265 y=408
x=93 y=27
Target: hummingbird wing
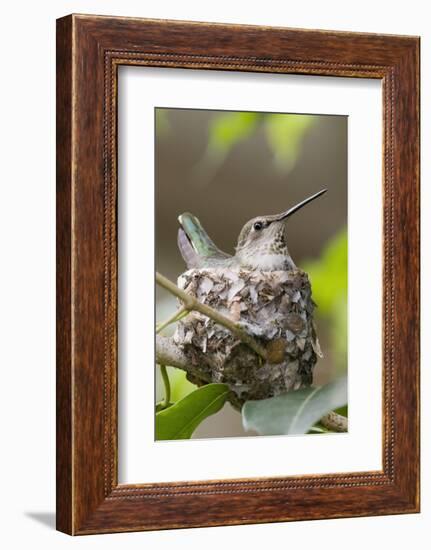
x=196 y=247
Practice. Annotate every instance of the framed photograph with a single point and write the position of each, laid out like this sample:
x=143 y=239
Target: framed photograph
x=237 y=274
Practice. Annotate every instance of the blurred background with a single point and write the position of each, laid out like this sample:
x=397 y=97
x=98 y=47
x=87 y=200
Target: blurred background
x=228 y=167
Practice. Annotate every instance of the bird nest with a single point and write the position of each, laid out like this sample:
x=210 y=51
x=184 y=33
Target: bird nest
x=275 y=307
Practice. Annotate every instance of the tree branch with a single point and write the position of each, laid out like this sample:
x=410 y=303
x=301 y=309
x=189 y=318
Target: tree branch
x=179 y=314
x=168 y=353
x=191 y=303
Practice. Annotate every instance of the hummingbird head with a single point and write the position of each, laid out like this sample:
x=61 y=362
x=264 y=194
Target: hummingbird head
x=265 y=236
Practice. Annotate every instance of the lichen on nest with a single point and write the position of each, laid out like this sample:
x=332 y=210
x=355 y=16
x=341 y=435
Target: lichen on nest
x=275 y=307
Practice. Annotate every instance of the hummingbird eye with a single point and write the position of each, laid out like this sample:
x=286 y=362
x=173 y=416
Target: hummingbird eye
x=257 y=226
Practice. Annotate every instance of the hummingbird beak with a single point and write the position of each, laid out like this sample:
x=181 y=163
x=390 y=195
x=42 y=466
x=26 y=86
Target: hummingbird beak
x=285 y=215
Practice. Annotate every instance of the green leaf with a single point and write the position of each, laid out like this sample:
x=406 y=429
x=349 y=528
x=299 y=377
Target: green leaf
x=294 y=412
x=182 y=419
x=344 y=411
x=161 y=406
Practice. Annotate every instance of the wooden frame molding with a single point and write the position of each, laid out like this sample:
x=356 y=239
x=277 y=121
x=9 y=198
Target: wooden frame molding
x=89 y=51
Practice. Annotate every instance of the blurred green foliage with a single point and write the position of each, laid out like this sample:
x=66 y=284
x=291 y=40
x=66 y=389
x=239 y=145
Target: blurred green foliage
x=328 y=276
x=163 y=126
x=228 y=129
x=284 y=134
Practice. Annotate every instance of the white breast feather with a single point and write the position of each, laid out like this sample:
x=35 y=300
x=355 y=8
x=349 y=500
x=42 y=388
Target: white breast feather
x=268 y=262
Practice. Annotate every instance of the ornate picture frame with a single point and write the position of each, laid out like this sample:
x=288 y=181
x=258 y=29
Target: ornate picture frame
x=89 y=51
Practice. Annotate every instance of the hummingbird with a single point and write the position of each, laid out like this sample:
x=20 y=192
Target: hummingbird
x=261 y=243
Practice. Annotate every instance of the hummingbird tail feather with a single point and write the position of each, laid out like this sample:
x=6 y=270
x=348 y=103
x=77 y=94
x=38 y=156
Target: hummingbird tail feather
x=187 y=251
x=198 y=239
